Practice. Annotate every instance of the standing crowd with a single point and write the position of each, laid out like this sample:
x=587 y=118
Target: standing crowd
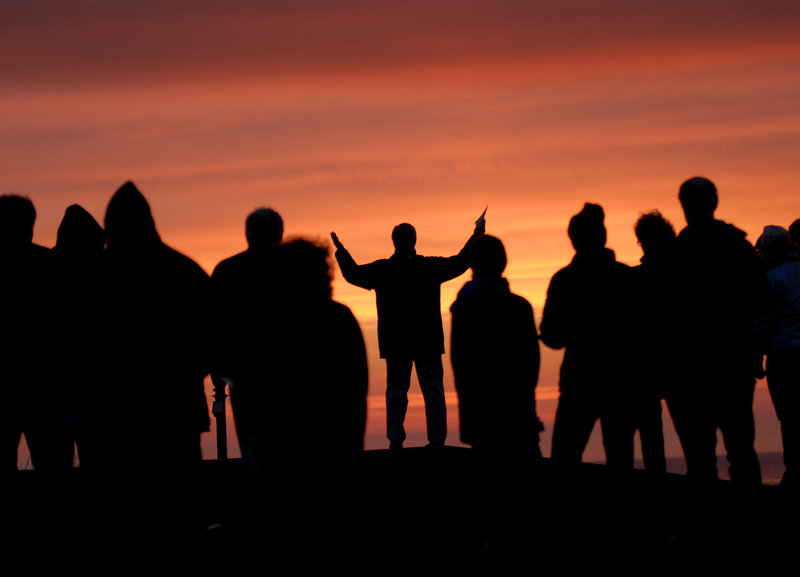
x=110 y=334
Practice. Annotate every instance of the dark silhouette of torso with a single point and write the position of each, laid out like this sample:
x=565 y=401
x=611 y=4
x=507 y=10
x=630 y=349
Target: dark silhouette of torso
x=587 y=313
x=408 y=297
x=721 y=289
x=243 y=295
x=495 y=356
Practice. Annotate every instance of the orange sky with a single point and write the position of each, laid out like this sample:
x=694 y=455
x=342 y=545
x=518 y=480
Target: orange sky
x=356 y=115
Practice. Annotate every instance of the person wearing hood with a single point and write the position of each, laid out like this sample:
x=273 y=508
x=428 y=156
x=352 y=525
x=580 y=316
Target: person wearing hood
x=495 y=356
x=778 y=338
x=721 y=288
x=78 y=251
x=586 y=313
x=408 y=296
x=151 y=408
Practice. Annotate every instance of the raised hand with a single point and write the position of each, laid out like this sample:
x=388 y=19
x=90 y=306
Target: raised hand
x=336 y=242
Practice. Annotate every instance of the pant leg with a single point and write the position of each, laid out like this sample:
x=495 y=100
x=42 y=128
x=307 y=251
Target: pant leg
x=398 y=381
x=738 y=428
x=783 y=380
x=651 y=433
x=693 y=415
x=430 y=374
x=618 y=430
x=571 y=431
x=51 y=441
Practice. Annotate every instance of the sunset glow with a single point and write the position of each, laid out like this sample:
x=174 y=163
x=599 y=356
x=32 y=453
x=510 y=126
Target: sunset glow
x=354 y=116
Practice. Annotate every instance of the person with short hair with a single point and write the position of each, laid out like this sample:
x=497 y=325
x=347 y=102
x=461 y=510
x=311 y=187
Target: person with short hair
x=721 y=288
x=408 y=294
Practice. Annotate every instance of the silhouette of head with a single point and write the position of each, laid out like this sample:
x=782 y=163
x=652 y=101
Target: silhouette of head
x=304 y=270
x=129 y=222
x=653 y=231
x=404 y=237
x=263 y=228
x=79 y=232
x=775 y=244
x=794 y=230
x=587 y=229
x=698 y=197
x=488 y=257
x=17 y=217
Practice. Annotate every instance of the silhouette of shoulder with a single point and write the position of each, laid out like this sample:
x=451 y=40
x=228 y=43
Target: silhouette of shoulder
x=187 y=264
x=241 y=264
x=581 y=298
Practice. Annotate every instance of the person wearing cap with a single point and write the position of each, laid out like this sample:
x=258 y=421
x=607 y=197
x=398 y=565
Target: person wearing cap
x=778 y=338
x=408 y=296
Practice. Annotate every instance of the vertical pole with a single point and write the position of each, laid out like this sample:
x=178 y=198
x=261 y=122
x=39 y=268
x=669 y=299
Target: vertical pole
x=218 y=410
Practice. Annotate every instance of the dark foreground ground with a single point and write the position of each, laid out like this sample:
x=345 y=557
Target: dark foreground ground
x=418 y=510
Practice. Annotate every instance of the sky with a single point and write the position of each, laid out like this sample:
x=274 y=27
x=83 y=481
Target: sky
x=353 y=116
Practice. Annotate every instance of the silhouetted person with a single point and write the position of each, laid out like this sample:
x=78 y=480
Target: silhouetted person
x=243 y=290
x=305 y=403
x=80 y=241
x=721 y=288
x=654 y=342
x=778 y=334
x=495 y=356
x=34 y=396
x=586 y=313
x=239 y=283
x=151 y=408
x=408 y=295
x=794 y=231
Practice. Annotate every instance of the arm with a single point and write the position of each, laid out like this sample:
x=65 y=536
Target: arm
x=552 y=328
x=355 y=274
x=534 y=360
x=458 y=264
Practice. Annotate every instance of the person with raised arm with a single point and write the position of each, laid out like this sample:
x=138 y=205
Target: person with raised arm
x=408 y=296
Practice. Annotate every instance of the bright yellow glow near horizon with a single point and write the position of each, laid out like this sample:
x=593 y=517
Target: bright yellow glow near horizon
x=356 y=116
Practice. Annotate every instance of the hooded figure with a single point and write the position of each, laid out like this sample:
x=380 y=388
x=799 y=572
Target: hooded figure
x=78 y=252
x=151 y=406
x=155 y=310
